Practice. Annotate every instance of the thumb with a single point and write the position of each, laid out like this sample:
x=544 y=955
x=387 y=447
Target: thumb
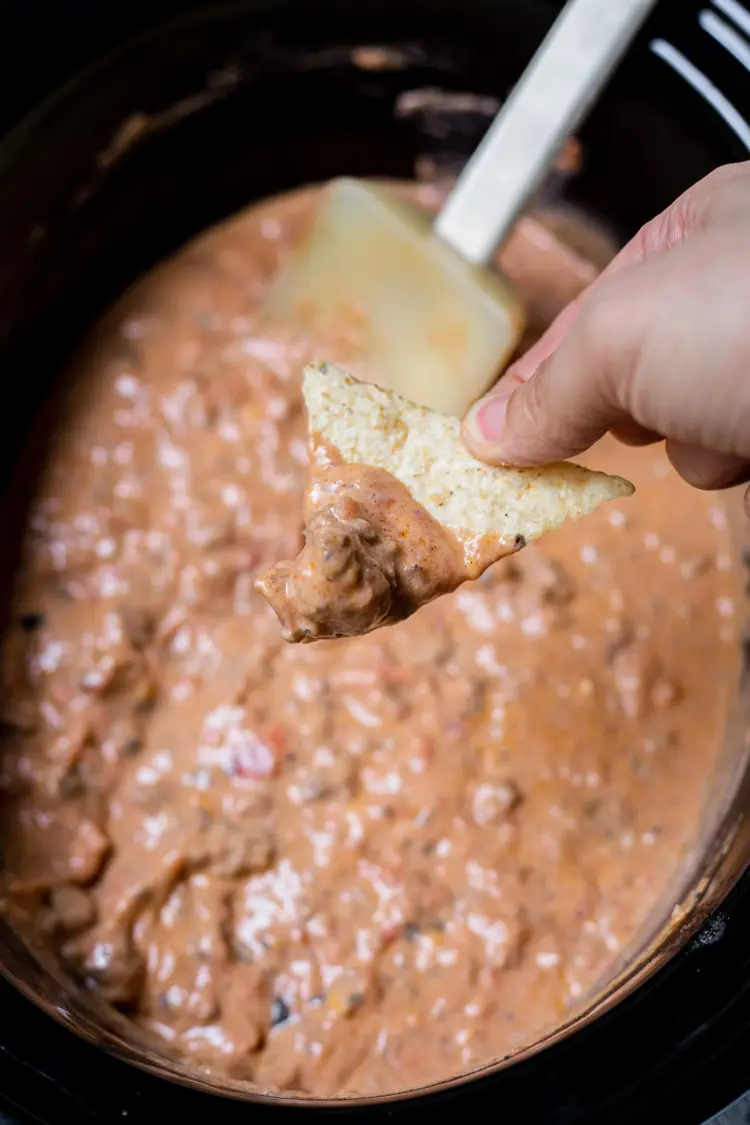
x=568 y=403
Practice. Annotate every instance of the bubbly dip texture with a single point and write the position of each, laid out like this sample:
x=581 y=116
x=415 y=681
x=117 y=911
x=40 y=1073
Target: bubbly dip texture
x=360 y=865
x=398 y=512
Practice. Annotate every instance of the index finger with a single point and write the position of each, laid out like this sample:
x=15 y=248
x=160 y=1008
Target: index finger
x=665 y=231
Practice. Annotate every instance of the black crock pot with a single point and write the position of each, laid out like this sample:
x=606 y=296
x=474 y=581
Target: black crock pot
x=247 y=100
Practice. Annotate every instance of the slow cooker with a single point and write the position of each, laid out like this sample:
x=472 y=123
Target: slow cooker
x=241 y=101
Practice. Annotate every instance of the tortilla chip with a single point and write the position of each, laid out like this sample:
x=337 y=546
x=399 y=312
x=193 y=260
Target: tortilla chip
x=368 y=425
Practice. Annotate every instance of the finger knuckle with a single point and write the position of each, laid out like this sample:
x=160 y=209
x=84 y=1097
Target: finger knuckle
x=610 y=343
x=719 y=197
x=595 y=328
x=524 y=417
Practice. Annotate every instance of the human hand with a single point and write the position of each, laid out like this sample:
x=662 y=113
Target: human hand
x=657 y=347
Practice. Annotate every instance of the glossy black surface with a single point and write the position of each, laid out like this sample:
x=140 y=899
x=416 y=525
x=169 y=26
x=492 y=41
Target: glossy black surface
x=287 y=106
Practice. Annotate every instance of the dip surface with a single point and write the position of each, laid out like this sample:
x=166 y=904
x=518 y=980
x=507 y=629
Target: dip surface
x=372 y=557
x=361 y=865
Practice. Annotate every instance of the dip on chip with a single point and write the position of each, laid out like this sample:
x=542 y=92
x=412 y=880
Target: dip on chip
x=398 y=512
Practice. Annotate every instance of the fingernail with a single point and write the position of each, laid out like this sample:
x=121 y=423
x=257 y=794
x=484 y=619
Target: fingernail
x=487 y=419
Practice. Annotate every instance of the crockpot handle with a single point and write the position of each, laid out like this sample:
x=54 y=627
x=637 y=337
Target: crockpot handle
x=563 y=79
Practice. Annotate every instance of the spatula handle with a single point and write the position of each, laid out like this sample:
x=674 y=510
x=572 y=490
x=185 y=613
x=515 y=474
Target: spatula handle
x=563 y=79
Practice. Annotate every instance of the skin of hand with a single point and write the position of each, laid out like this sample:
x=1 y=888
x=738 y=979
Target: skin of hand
x=658 y=347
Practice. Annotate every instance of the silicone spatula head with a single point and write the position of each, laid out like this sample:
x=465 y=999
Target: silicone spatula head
x=432 y=326
x=435 y=325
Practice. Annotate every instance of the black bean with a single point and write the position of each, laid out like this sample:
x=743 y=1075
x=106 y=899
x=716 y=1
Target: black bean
x=31 y=621
x=280 y=1011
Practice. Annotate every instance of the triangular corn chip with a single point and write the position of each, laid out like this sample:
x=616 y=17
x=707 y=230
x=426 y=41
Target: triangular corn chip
x=423 y=449
x=400 y=512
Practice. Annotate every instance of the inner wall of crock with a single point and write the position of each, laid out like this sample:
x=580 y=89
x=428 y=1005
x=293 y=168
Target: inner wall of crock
x=194 y=122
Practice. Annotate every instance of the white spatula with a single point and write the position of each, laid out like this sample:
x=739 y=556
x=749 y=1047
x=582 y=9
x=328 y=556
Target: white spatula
x=436 y=324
